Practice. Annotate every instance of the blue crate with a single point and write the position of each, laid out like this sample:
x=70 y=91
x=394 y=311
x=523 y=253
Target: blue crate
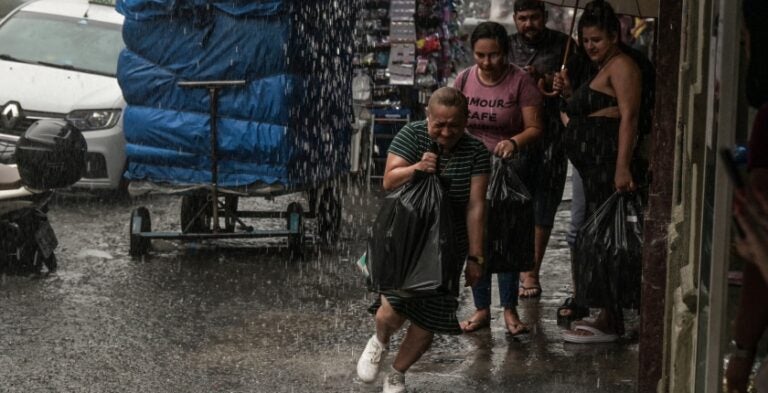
x=390 y=113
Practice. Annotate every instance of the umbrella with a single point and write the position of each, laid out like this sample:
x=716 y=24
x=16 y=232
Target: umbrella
x=642 y=8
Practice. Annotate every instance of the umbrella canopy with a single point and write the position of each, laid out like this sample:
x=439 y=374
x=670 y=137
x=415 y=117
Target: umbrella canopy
x=642 y=8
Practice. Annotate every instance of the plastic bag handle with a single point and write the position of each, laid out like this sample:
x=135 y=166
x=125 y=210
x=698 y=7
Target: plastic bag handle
x=438 y=150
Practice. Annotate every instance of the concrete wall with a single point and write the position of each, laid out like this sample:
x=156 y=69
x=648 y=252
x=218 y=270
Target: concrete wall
x=684 y=240
x=697 y=234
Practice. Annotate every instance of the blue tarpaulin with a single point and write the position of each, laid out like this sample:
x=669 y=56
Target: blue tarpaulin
x=149 y=85
x=150 y=9
x=288 y=124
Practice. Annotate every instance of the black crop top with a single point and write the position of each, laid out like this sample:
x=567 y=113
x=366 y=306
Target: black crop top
x=586 y=101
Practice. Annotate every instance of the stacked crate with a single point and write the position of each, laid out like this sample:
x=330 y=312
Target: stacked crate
x=288 y=125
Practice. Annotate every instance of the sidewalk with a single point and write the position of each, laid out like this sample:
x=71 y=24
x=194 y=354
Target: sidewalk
x=492 y=361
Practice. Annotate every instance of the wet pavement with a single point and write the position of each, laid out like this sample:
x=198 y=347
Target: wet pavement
x=242 y=316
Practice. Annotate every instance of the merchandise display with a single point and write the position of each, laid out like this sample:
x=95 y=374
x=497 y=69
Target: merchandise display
x=413 y=43
x=408 y=49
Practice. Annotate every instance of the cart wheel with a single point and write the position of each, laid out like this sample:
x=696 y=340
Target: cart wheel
x=230 y=212
x=295 y=223
x=140 y=222
x=191 y=205
x=329 y=216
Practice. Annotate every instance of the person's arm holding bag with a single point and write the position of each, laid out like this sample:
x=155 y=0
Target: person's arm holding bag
x=475 y=227
x=399 y=171
x=626 y=82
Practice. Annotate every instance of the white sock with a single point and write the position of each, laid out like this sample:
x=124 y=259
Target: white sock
x=395 y=370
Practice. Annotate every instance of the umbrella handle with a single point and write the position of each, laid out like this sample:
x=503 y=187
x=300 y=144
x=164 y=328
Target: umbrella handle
x=568 y=44
x=543 y=89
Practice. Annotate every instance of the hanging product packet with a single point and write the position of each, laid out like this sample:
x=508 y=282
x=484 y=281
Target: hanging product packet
x=412 y=248
x=510 y=222
x=609 y=251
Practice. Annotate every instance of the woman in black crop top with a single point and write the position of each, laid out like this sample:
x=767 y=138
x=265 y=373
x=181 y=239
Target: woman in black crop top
x=602 y=116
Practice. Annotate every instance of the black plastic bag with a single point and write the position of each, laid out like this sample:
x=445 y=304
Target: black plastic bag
x=609 y=253
x=510 y=223
x=411 y=248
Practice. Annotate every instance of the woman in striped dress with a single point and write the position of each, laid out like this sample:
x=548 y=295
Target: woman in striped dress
x=466 y=163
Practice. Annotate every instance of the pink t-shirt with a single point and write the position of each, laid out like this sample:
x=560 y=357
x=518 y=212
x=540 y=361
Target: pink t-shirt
x=495 y=112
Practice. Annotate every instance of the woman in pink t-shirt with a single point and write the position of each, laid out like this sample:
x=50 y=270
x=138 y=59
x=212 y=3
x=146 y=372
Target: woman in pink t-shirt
x=504 y=113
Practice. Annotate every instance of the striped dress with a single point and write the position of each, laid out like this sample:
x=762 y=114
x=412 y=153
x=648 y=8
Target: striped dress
x=469 y=158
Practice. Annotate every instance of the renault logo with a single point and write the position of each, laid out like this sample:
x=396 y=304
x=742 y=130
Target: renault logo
x=10 y=115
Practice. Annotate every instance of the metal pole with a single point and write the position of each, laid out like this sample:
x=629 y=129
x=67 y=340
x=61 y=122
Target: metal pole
x=570 y=35
x=214 y=92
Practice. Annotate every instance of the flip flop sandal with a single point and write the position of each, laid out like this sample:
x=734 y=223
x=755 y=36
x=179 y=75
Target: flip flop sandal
x=536 y=294
x=577 y=312
x=597 y=336
x=473 y=326
x=522 y=289
x=524 y=330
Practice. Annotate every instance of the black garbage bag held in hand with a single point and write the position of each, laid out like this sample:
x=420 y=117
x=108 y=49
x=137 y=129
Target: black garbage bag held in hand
x=609 y=253
x=412 y=247
x=510 y=228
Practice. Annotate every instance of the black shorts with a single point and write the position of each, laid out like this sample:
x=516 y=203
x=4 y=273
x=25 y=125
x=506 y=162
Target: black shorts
x=435 y=314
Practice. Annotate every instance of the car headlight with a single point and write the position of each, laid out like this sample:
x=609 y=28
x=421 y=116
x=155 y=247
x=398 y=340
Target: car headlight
x=88 y=120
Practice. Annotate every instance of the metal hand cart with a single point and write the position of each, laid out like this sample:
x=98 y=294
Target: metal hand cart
x=203 y=208
x=385 y=123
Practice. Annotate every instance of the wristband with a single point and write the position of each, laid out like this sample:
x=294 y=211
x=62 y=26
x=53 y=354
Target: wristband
x=514 y=144
x=476 y=259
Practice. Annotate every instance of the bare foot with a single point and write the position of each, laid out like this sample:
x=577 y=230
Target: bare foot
x=513 y=323
x=529 y=286
x=481 y=319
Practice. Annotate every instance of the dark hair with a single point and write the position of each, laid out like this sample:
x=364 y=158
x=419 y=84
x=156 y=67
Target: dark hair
x=600 y=14
x=529 y=5
x=494 y=31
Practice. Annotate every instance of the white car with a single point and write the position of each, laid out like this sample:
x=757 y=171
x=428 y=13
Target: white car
x=58 y=59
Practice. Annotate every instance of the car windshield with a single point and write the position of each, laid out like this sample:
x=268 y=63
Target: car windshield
x=76 y=43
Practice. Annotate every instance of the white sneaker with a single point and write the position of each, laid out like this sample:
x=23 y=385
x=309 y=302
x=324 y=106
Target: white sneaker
x=395 y=382
x=370 y=360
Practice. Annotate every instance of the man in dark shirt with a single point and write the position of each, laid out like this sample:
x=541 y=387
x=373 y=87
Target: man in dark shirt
x=540 y=51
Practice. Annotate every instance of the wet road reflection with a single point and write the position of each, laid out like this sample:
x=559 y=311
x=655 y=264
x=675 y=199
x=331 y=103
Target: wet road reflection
x=242 y=316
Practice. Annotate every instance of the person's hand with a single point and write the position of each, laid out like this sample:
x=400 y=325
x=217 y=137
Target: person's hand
x=505 y=149
x=562 y=83
x=737 y=374
x=531 y=70
x=472 y=273
x=428 y=163
x=545 y=83
x=622 y=180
